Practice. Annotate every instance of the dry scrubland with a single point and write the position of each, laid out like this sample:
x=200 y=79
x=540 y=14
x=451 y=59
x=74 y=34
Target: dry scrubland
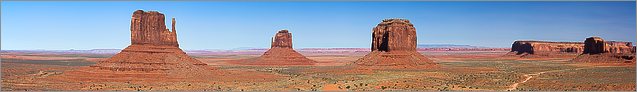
x=459 y=70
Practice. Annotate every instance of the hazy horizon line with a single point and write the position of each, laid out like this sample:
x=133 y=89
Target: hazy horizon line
x=238 y=48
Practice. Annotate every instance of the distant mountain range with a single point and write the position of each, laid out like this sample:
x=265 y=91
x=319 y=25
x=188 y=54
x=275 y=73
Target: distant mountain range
x=251 y=50
x=418 y=46
x=447 y=46
x=92 y=51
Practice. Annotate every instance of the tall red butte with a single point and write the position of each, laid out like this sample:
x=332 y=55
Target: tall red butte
x=280 y=53
x=154 y=53
x=394 y=45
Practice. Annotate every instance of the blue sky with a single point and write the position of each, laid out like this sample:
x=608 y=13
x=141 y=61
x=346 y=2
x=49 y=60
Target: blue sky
x=228 y=25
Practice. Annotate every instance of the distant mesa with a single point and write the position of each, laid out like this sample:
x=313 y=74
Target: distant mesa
x=154 y=52
x=597 y=45
x=546 y=47
x=394 y=45
x=596 y=50
x=280 y=53
x=447 y=46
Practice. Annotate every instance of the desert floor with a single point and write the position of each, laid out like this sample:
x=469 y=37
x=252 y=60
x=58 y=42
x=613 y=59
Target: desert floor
x=459 y=70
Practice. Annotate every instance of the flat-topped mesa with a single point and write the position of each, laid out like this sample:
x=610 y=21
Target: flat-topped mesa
x=597 y=45
x=394 y=35
x=149 y=28
x=282 y=39
x=546 y=47
x=596 y=50
x=394 y=44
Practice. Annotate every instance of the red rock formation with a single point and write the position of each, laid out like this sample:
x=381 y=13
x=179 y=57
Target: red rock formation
x=546 y=47
x=394 y=35
x=597 y=45
x=153 y=53
x=280 y=53
x=394 y=44
x=594 y=45
x=149 y=28
x=619 y=47
x=599 y=51
x=282 y=39
x=151 y=45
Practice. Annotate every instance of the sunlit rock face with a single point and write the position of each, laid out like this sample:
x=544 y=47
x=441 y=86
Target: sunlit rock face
x=394 y=44
x=149 y=28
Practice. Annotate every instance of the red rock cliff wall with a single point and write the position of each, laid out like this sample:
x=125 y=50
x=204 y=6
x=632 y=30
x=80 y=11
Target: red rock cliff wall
x=148 y=28
x=282 y=39
x=394 y=35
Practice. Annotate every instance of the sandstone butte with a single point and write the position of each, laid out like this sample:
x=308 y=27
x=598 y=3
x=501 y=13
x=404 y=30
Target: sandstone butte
x=596 y=50
x=280 y=53
x=154 y=54
x=394 y=46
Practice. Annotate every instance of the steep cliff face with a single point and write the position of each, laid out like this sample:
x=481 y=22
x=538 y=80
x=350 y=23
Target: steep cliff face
x=546 y=47
x=394 y=35
x=148 y=28
x=282 y=39
x=394 y=44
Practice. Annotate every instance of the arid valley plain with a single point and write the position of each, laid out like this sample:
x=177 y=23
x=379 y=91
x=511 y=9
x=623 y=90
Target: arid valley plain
x=158 y=59
x=459 y=70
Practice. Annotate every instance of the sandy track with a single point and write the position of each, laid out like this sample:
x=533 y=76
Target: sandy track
x=529 y=76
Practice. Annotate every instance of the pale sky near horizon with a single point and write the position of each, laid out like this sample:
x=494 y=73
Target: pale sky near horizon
x=227 y=25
